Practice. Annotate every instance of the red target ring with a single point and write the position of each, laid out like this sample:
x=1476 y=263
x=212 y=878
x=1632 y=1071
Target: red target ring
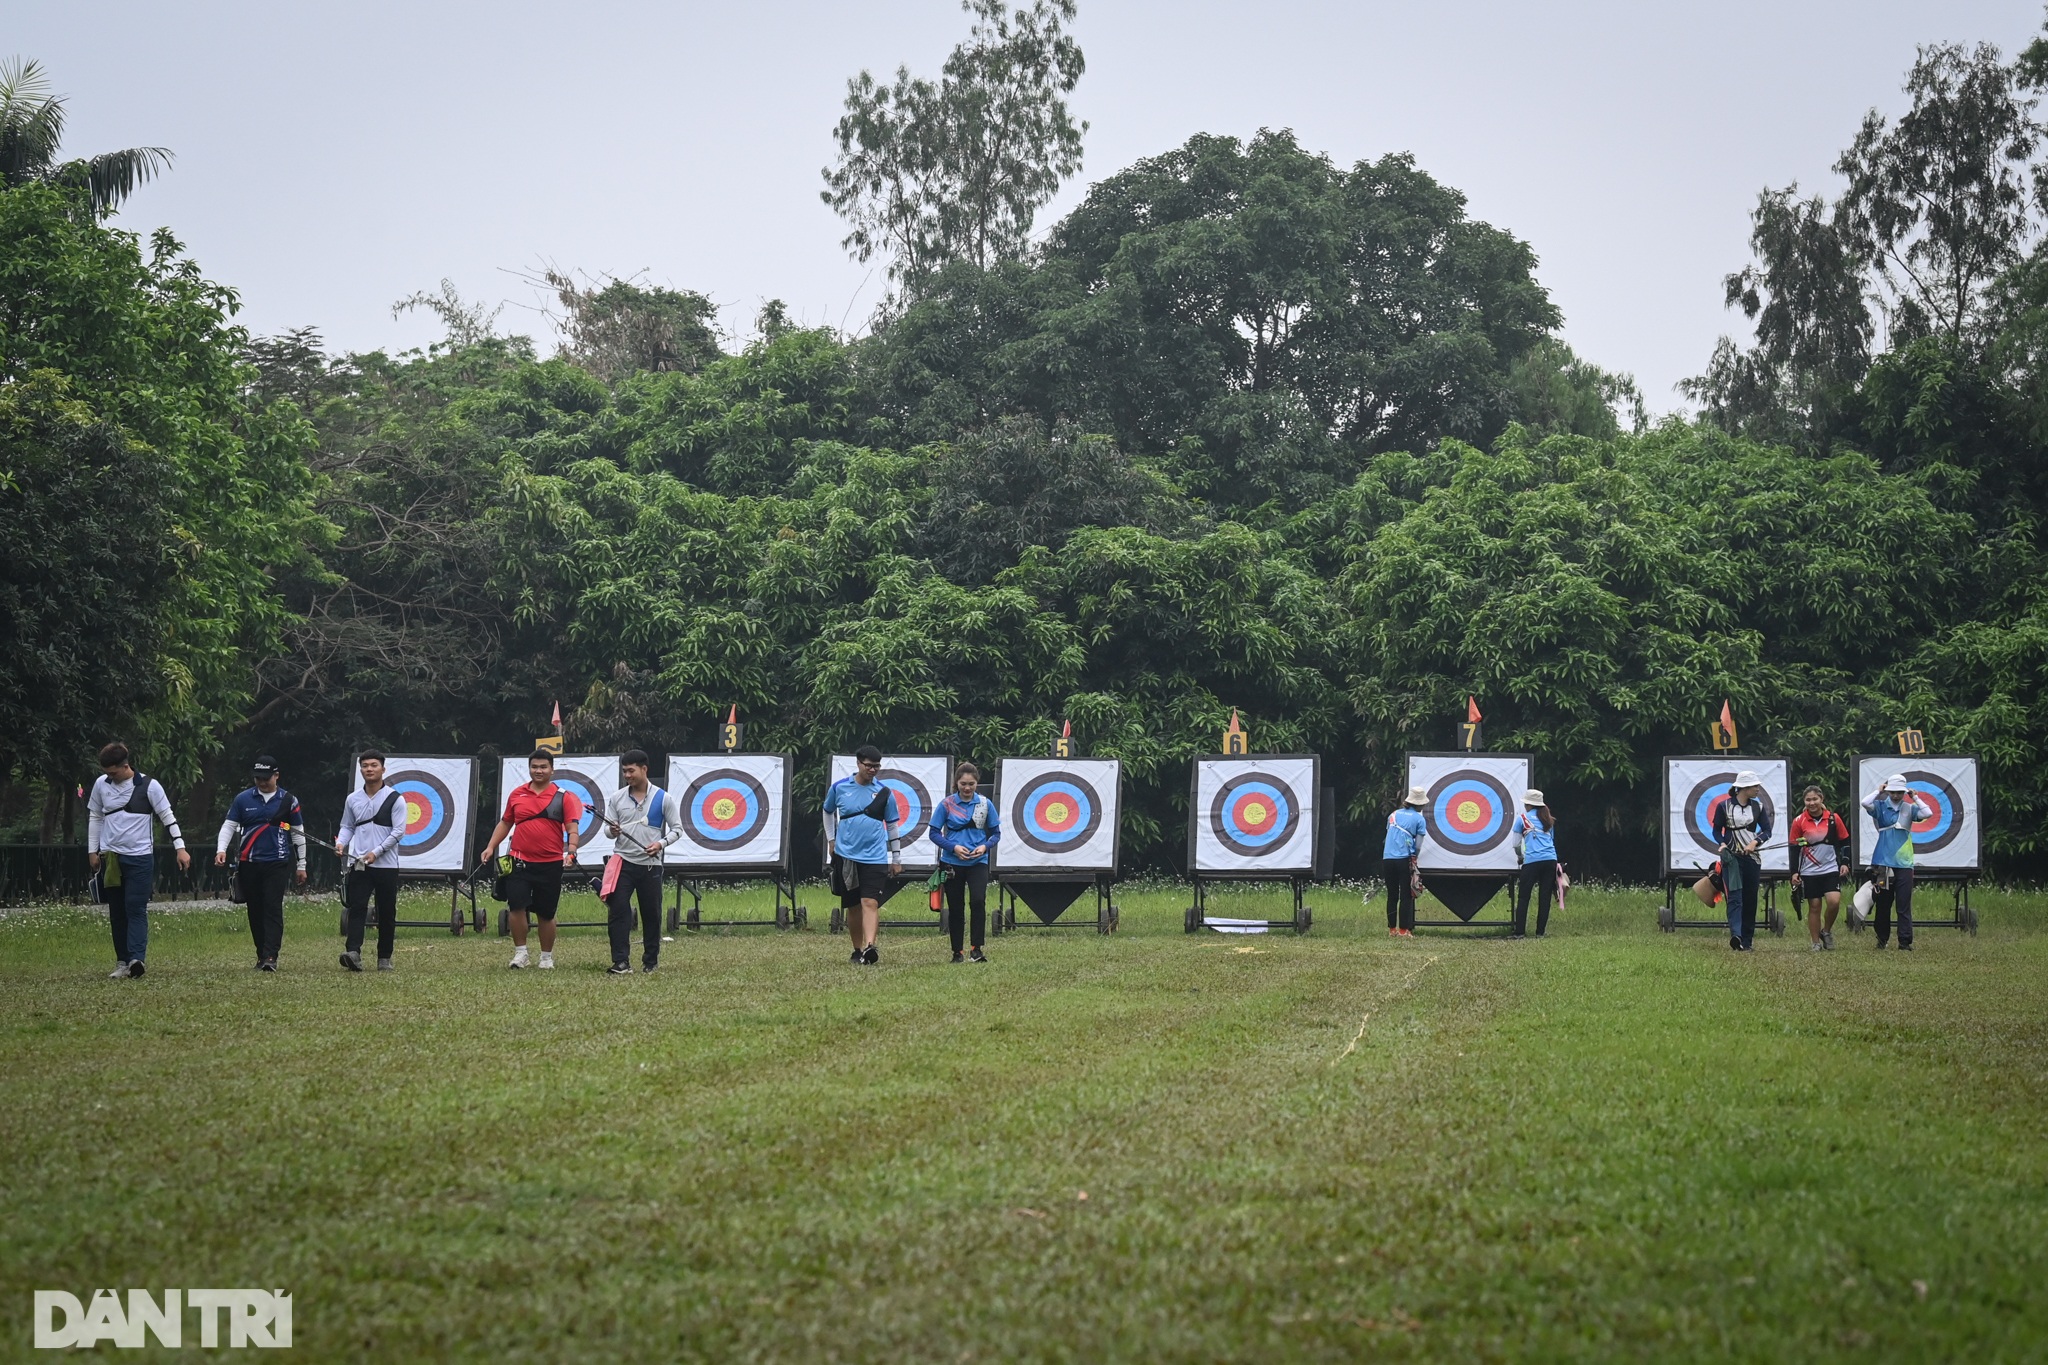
x=726 y=808
x=1254 y=812
x=1057 y=812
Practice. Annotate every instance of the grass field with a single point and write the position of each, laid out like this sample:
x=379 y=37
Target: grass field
x=1611 y=1144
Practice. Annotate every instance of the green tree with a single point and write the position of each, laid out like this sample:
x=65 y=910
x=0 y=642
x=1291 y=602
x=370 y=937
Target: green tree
x=956 y=170
x=32 y=134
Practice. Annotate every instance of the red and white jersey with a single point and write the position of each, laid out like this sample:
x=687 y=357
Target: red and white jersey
x=1817 y=856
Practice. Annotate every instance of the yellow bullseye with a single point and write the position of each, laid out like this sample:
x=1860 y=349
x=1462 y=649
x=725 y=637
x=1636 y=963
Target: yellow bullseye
x=414 y=812
x=1468 y=812
x=724 y=808
x=1056 y=813
x=1255 y=814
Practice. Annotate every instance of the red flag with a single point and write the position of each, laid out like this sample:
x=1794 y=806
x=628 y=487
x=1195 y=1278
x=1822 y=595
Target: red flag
x=1233 y=722
x=1066 y=729
x=558 y=715
x=1728 y=722
x=732 y=717
x=1472 y=711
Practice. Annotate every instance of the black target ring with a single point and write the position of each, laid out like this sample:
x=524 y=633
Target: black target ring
x=440 y=791
x=1954 y=801
x=736 y=776
x=1070 y=840
x=1507 y=807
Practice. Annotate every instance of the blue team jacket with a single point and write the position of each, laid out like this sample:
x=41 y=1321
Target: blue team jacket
x=1538 y=844
x=1404 y=833
x=953 y=823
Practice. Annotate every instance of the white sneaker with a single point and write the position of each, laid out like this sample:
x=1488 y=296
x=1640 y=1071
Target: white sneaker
x=518 y=958
x=547 y=962
x=119 y=973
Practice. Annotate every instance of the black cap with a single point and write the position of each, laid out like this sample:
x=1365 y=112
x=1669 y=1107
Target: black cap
x=264 y=766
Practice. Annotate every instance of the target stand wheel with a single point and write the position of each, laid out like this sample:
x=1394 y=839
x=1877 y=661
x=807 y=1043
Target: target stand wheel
x=1301 y=920
x=1969 y=919
x=477 y=919
x=693 y=920
x=782 y=914
x=803 y=917
x=1188 y=921
x=1777 y=921
x=1667 y=919
x=839 y=919
x=1116 y=917
x=504 y=924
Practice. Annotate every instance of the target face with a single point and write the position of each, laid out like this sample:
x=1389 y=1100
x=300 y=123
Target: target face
x=1469 y=811
x=1254 y=815
x=436 y=810
x=734 y=810
x=1059 y=814
x=429 y=810
x=1470 y=802
x=1696 y=786
x=592 y=778
x=914 y=782
x=724 y=809
x=1947 y=840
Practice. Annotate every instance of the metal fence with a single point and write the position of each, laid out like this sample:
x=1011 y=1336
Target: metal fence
x=37 y=874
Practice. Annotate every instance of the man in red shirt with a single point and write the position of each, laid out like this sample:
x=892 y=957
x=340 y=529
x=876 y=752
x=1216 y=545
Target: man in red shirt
x=1819 y=841
x=543 y=821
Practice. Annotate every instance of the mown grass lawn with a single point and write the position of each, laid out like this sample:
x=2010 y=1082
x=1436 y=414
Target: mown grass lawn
x=1613 y=1143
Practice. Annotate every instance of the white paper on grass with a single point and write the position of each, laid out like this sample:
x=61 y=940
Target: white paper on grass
x=1235 y=926
x=1076 y=804
x=593 y=777
x=697 y=783
x=1947 y=843
x=1693 y=784
x=1230 y=790
x=1477 y=798
x=926 y=778
x=433 y=789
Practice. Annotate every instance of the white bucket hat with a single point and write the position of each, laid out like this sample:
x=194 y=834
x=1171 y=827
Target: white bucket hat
x=1896 y=783
x=1532 y=797
x=1417 y=796
x=1746 y=778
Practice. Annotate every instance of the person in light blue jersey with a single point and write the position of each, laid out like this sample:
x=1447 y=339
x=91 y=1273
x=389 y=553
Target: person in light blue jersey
x=1893 y=809
x=1536 y=835
x=860 y=813
x=1405 y=831
x=966 y=828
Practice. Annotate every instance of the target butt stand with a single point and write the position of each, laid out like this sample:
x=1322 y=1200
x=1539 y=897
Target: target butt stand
x=1258 y=818
x=1947 y=846
x=1695 y=786
x=1048 y=898
x=1062 y=837
x=788 y=912
x=1471 y=804
x=438 y=804
x=735 y=812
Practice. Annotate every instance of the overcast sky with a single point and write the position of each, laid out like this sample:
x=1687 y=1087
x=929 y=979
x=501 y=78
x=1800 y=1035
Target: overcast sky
x=334 y=158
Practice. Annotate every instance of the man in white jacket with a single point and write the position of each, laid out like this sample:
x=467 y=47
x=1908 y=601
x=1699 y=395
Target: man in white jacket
x=373 y=821
x=118 y=833
x=643 y=821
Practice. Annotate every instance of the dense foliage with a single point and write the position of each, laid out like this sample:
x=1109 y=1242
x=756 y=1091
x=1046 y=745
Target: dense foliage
x=1249 y=431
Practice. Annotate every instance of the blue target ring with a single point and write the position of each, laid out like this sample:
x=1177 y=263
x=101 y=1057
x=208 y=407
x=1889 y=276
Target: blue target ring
x=1057 y=811
x=1469 y=812
x=1254 y=815
x=724 y=809
x=427 y=810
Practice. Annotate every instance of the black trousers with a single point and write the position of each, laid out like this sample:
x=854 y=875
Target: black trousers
x=263 y=887
x=1400 y=893
x=968 y=883
x=1541 y=877
x=644 y=882
x=356 y=890
x=1897 y=890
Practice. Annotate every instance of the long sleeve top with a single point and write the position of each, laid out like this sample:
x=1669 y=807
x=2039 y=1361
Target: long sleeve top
x=640 y=825
x=1742 y=827
x=1894 y=821
x=363 y=838
x=274 y=823
x=113 y=828
x=972 y=824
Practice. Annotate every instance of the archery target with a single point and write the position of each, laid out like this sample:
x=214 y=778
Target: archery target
x=436 y=810
x=734 y=810
x=1254 y=816
x=1697 y=786
x=1059 y=814
x=1469 y=810
x=592 y=777
x=1946 y=841
x=915 y=784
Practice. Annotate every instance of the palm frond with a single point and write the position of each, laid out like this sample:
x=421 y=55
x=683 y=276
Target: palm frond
x=31 y=122
x=111 y=177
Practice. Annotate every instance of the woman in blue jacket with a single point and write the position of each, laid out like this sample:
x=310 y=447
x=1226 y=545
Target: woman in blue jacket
x=1742 y=825
x=1536 y=832
x=1893 y=808
x=966 y=827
